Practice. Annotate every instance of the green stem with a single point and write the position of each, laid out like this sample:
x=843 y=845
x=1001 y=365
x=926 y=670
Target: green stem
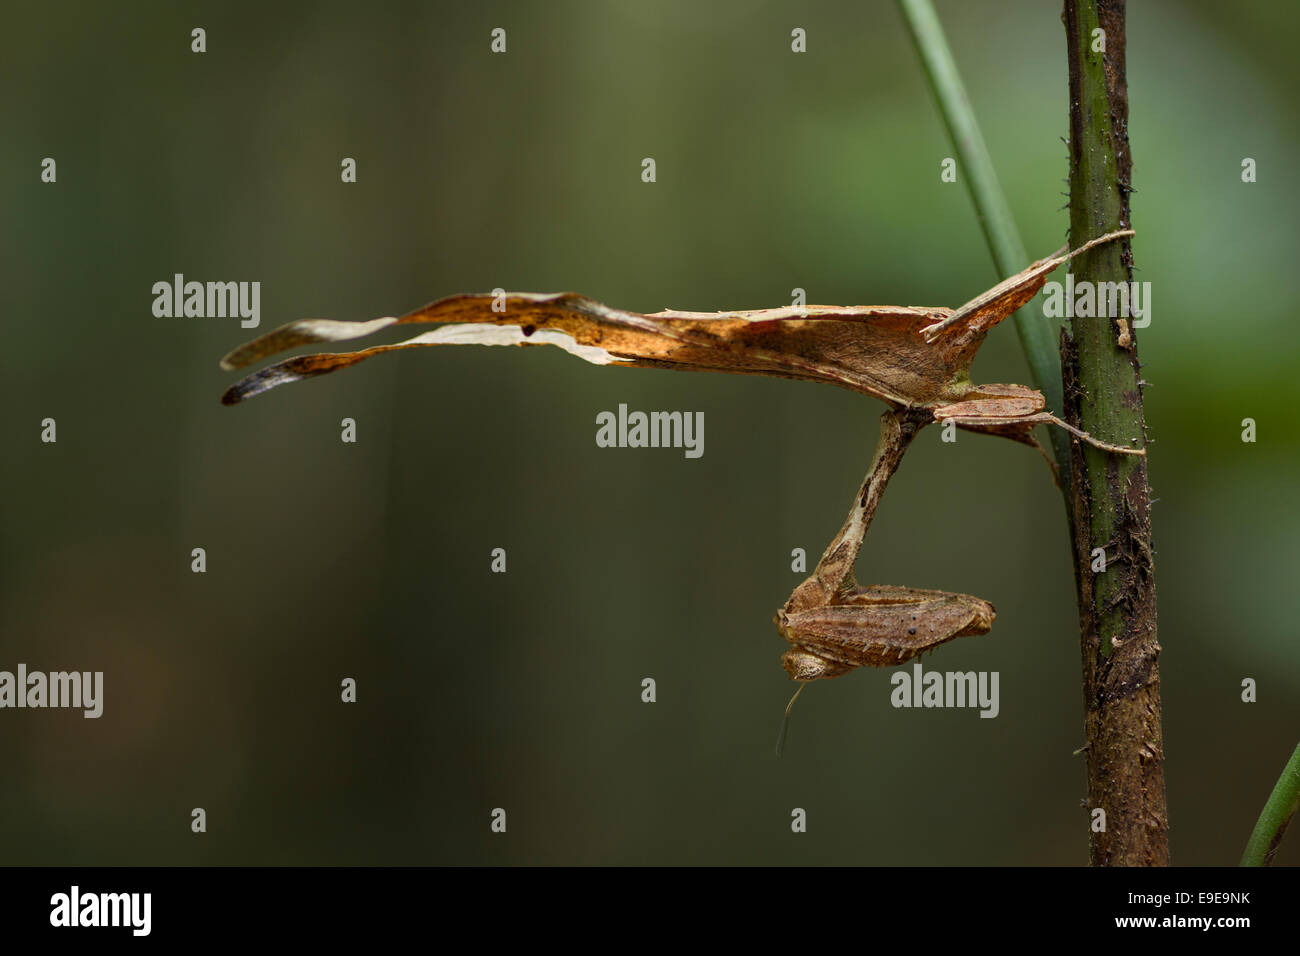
x=1038 y=336
x=1111 y=509
x=1278 y=811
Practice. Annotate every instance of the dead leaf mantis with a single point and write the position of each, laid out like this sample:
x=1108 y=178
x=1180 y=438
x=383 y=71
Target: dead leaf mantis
x=915 y=359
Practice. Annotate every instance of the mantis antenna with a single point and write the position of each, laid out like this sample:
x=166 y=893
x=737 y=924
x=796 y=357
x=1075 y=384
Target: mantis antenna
x=785 y=721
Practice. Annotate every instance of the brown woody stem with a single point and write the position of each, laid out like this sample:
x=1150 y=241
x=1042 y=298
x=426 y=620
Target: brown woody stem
x=1111 y=501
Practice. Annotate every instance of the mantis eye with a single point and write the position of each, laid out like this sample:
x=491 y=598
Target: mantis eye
x=804 y=665
x=985 y=615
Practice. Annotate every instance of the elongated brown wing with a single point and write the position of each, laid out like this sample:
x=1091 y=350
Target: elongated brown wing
x=905 y=355
x=875 y=350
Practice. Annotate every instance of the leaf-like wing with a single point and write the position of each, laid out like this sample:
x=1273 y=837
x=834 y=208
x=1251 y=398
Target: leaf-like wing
x=907 y=356
x=876 y=350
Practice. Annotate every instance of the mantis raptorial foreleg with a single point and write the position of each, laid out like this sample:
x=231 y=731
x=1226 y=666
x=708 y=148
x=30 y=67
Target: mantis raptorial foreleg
x=835 y=625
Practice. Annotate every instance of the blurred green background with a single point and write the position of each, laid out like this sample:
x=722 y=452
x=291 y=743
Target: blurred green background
x=329 y=560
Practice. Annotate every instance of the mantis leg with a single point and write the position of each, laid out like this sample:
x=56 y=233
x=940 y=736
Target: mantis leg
x=834 y=572
x=1019 y=428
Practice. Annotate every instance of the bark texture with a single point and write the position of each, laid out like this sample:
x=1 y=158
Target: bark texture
x=1111 y=501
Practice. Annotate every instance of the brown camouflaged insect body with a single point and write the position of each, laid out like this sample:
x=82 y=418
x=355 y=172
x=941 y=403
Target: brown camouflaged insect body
x=915 y=359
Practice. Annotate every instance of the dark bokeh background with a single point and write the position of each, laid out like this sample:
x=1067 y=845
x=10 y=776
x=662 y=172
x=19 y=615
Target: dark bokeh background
x=522 y=691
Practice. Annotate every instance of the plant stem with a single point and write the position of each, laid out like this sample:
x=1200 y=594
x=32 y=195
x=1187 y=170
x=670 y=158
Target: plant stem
x=1277 y=813
x=1111 y=501
x=1038 y=336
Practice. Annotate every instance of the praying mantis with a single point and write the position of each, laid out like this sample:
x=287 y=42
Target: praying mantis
x=916 y=360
